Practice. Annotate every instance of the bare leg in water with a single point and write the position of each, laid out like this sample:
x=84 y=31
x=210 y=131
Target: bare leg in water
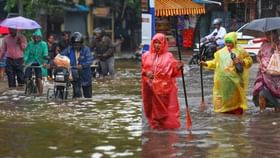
x=262 y=103
x=39 y=84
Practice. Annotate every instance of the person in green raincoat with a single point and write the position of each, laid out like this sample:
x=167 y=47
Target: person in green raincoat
x=36 y=54
x=231 y=65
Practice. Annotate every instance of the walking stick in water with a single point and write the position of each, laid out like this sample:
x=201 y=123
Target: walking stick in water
x=203 y=104
x=188 y=115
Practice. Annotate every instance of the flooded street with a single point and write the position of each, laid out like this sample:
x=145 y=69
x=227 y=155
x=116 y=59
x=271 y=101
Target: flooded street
x=253 y=135
x=108 y=125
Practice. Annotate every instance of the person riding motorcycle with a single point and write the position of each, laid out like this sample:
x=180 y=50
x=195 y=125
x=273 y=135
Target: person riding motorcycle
x=210 y=43
x=104 y=51
x=80 y=61
x=218 y=33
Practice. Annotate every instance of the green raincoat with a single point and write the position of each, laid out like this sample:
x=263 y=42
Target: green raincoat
x=229 y=91
x=36 y=52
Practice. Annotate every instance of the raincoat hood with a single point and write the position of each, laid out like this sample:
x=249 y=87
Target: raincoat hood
x=37 y=33
x=164 y=44
x=232 y=38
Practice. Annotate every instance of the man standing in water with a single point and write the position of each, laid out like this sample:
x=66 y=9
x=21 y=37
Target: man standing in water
x=12 y=48
x=53 y=49
x=80 y=61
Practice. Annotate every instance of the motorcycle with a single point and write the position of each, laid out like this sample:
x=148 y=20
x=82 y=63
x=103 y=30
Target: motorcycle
x=205 y=51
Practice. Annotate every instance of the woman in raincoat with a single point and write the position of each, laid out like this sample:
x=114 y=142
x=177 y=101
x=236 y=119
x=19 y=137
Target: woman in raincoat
x=266 y=91
x=159 y=90
x=231 y=64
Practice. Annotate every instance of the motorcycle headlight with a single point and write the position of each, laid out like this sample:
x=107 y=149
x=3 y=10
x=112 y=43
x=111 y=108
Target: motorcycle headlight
x=59 y=78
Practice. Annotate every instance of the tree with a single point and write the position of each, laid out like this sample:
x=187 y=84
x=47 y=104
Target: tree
x=38 y=9
x=32 y=8
x=128 y=11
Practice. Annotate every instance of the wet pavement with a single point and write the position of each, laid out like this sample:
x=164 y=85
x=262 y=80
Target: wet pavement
x=253 y=135
x=108 y=125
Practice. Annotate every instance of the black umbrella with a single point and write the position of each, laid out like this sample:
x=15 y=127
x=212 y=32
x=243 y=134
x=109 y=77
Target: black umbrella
x=259 y=26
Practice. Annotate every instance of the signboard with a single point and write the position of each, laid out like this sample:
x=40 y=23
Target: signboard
x=101 y=11
x=146 y=28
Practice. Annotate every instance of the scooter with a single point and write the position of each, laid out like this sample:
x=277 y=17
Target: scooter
x=205 y=52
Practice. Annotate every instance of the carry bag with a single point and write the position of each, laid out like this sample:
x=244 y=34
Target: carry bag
x=273 y=67
x=62 y=61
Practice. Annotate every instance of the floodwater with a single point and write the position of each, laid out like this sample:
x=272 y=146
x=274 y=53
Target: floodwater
x=108 y=125
x=253 y=135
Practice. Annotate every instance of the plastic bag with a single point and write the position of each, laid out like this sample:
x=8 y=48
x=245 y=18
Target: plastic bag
x=62 y=61
x=273 y=67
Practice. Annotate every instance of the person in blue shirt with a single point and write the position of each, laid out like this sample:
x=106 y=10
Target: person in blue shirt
x=80 y=61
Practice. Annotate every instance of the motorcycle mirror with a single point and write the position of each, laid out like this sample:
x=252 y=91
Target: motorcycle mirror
x=215 y=34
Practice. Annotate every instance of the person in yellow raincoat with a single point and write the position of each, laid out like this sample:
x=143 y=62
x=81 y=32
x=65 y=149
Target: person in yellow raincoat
x=231 y=64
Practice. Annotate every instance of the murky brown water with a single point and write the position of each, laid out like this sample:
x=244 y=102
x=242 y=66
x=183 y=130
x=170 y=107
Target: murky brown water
x=253 y=135
x=108 y=125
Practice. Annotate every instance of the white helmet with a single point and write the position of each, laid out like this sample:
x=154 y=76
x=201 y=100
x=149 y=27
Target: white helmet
x=217 y=21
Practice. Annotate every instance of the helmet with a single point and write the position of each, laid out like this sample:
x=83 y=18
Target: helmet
x=99 y=30
x=77 y=37
x=217 y=21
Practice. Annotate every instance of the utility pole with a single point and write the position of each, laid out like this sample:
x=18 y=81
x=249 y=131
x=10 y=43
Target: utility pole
x=20 y=7
x=259 y=8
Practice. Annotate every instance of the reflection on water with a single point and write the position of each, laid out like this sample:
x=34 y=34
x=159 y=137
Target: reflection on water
x=108 y=125
x=253 y=135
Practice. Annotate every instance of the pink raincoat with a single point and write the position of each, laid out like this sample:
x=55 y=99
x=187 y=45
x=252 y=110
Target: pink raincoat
x=160 y=93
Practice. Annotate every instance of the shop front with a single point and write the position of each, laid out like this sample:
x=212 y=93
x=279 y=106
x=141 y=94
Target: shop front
x=241 y=11
x=165 y=15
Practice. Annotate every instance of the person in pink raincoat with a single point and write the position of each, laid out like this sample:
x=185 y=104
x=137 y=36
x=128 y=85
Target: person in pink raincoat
x=266 y=91
x=159 y=90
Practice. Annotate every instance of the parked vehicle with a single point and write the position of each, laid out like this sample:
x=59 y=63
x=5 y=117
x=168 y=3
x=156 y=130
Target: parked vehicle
x=250 y=43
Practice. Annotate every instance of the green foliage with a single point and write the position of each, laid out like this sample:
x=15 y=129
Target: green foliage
x=135 y=4
x=31 y=8
x=10 y=4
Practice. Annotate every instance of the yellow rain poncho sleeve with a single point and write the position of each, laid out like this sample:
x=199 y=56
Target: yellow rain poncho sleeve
x=230 y=87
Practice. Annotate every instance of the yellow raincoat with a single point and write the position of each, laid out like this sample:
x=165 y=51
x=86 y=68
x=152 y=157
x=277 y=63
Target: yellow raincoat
x=229 y=91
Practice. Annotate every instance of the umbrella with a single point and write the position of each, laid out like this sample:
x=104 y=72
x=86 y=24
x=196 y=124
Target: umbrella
x=20 y=23
x=263 y=25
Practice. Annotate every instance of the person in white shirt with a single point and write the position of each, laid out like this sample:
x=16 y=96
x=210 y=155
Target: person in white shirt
x=218 y=33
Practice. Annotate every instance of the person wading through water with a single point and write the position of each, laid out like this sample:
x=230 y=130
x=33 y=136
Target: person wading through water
x=159 y=90
x=231 y=65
